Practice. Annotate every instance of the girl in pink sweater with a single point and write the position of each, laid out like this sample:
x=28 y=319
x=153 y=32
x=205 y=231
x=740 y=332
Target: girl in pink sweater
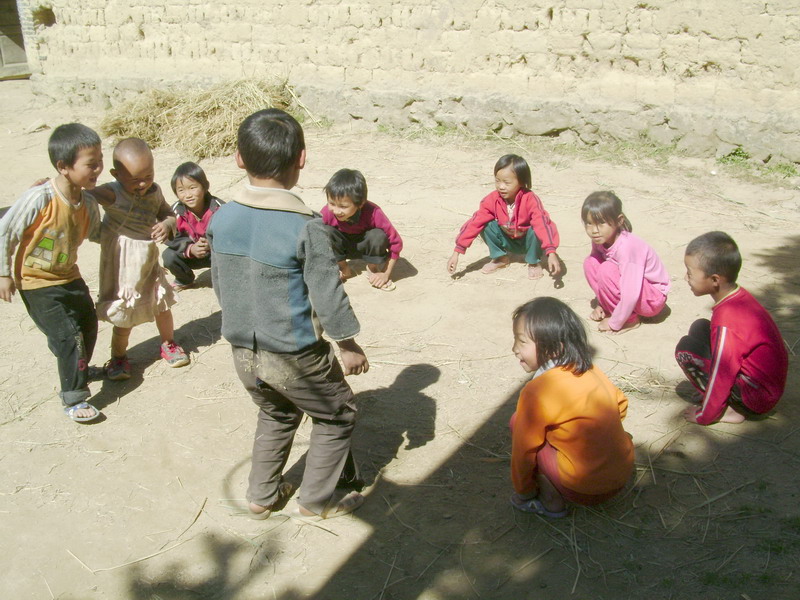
x=627 y=276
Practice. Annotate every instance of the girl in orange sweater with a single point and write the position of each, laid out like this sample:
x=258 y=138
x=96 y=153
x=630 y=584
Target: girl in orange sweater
x=568 y=444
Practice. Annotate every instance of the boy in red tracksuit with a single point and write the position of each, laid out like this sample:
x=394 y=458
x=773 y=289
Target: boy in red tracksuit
x=738 y=360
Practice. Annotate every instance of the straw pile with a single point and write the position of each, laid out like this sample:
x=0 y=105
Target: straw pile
x=201 y=123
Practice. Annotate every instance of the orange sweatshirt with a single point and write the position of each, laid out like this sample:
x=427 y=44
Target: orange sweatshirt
x=581 y=417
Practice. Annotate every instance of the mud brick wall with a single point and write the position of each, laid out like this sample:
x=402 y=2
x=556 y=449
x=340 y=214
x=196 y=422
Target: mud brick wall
x=708 y=76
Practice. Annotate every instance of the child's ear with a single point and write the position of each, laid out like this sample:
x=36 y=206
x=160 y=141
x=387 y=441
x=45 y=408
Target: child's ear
x=62 y=167
x=113 y=173
x=239 y=161
x=301 y=160
x=620 y=221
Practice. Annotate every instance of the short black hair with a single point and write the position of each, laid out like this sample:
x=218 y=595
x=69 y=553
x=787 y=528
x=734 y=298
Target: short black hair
x=518 y=165
x=270 y=141
x=69 y=139
x=717 y=254
x=347 y=183
x=558 y=333
x=604 y=207
x=189 y=170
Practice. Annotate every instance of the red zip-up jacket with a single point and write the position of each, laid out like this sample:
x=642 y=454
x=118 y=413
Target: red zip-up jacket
x=528 y=212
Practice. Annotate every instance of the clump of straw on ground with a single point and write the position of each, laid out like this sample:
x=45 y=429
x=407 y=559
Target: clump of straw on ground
x=201 y=123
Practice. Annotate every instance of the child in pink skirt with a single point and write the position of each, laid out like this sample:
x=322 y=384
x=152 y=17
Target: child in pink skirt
x=627 y=276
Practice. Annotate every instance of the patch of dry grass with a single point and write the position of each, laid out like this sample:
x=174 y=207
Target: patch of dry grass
x=199 y=122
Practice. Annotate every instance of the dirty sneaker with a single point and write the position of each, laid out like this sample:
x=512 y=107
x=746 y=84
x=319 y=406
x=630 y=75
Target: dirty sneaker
x=173 y=354
x=118 y=369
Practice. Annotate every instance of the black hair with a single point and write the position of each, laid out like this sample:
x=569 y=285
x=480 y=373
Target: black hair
x=347 y=183
x=518 y=165
x=69 y=139
x=558 y=333
x=717 y=254
x=190 y=170
x=270 y=142
x=604 y=207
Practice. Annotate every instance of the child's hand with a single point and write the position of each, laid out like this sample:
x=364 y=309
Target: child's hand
x=160 y=232
x=553 y=264
x=690 y=414
x=200 y=248
x=353 y=358
x=604 y=326
x=452 y=264
x=39 y=182
x=7 y=288
x=377 y=280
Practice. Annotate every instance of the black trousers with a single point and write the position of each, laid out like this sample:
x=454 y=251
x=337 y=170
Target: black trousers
x=66 y=315
x=372 y=246
x=183 y=268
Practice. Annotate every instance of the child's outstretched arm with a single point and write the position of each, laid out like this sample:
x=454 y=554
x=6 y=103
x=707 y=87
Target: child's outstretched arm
x=104 y=194
x=452 y=263
x=553 y=264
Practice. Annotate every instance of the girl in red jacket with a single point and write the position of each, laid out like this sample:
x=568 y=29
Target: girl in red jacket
x=511 y=220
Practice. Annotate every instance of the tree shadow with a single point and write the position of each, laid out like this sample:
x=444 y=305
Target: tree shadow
x=191 y=336
x=782 y=297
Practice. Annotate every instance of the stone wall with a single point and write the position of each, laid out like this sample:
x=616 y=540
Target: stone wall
x=708 y=76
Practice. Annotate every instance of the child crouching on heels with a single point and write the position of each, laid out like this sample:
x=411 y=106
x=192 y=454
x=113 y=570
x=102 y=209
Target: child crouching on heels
x=567 y=440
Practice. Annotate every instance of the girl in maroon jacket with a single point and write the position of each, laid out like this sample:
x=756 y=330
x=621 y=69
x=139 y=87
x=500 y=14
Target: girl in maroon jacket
x=189 y=249
x=511 y=220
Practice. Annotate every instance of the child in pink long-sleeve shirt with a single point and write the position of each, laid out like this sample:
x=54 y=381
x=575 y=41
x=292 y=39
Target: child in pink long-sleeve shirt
x=627 y=276
x=360 y=229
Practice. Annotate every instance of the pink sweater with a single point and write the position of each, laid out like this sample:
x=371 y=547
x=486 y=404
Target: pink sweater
x=637 y=262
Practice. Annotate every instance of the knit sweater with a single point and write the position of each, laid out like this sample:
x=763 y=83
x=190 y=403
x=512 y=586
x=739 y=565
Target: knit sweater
x=581 y=417
x=275 y=275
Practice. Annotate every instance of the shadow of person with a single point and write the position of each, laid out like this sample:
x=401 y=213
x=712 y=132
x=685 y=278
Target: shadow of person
x=394 y=415
x=193 y=335
x=403 y=270
x=388 y=417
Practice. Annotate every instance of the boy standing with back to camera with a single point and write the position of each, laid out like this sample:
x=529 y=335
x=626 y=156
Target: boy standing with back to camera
x=277 y=282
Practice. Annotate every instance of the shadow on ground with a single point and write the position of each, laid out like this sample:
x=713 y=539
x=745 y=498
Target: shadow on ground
x=711 y=512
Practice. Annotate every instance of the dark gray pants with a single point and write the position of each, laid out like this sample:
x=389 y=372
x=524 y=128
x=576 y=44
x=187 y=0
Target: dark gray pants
x=65 y=314
x=284 y=387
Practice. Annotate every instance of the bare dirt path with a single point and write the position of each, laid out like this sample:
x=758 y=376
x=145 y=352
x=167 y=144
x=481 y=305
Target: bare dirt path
x=142 y=505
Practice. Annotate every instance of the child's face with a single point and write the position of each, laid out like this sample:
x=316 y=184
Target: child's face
x=507 y=184
x=700 y=283
x=524 y=348
x=135 y=174
x=342 y=208
x=603 y=233
x=192 y=194
x=86 y=169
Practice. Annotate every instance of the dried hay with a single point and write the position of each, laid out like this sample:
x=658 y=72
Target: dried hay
x=198 y=122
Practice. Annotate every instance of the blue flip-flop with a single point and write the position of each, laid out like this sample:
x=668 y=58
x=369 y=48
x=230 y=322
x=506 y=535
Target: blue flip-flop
x=71 y=410
x=536 y=507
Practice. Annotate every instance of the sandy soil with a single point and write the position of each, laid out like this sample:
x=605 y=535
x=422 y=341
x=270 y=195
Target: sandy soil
x=143 y=504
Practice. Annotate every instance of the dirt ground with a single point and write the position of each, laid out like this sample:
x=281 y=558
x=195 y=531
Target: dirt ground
x=143 y=505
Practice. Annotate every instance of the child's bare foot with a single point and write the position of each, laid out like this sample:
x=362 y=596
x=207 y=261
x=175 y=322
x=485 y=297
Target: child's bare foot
x=632 y=323
x=598 y=314
x=345 y=506
x=731 y=416
x=497 y=263
x=535 y=271
x=259 y=512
